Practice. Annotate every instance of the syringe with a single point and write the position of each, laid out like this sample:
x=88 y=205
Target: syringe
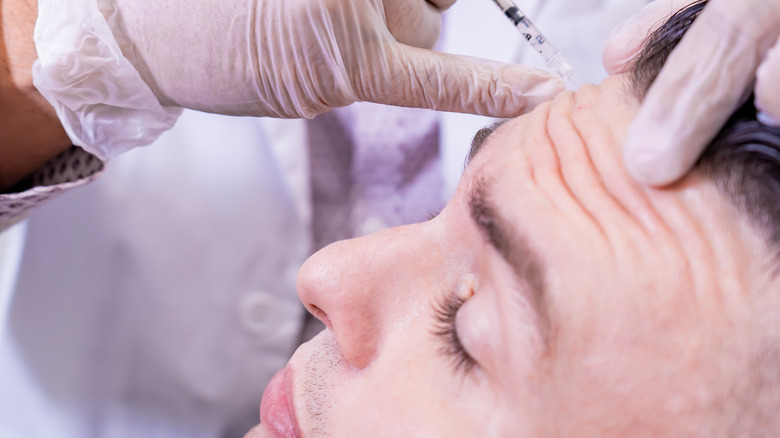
x=552 y=57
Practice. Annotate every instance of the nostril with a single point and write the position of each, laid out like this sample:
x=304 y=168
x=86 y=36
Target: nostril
x=319 y=314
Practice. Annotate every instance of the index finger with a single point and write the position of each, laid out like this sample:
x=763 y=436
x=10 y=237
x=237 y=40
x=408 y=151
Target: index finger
x=701 y=85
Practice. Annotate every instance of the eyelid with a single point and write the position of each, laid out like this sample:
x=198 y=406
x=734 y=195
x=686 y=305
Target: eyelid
x=446 y=311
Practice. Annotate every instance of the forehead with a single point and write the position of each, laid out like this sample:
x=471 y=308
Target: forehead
x=558 y=174
x=562 y=163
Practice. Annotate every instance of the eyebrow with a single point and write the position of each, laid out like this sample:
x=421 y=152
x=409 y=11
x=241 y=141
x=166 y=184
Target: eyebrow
x=514 y=248
x=480 y=138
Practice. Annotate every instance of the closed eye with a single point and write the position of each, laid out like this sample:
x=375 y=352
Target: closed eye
x=446 y=312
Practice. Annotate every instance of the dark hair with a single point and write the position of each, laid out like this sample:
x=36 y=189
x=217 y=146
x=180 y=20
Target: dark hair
x=744 y=159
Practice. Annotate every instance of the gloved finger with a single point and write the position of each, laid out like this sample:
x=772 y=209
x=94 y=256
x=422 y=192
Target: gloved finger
x=628 y=38
x=426 y=79
x=768 y=87
x=702 y=83
x=442 y=5
x=413 y=22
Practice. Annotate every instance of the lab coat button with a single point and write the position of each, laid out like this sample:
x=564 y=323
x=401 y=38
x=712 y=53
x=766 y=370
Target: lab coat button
x=257 y=313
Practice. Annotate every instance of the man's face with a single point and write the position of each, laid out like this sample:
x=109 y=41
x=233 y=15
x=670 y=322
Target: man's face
x=551 y=297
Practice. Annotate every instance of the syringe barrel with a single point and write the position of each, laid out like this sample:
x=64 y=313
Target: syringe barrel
x=536 y=39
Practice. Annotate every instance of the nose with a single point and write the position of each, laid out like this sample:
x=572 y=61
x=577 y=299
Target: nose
x=357 y=287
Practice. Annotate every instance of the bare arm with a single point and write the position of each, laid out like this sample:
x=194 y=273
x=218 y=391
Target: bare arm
x=30 y=133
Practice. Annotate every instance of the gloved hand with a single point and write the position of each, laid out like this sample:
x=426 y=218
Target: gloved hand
x=299 y=58
x=726 y=51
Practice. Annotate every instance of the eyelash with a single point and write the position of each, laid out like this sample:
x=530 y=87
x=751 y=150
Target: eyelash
x=445 y=312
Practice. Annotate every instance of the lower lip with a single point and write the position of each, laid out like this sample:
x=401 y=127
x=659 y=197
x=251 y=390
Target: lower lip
x=275 y=412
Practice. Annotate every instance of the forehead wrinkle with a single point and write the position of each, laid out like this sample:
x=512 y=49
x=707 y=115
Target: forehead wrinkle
x=571 y=174
x=603 y=136
x=537 y=177
x=706 y=267
x=701 y=246
x=585 y=130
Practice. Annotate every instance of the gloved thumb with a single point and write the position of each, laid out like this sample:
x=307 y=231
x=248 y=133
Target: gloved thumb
x=698 y=90
x=768 y=87
x=423 y=78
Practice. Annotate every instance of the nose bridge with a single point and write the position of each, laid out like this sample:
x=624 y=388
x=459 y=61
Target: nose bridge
x=353 y=285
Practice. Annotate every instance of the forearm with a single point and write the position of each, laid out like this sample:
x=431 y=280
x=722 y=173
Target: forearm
x=30 y=133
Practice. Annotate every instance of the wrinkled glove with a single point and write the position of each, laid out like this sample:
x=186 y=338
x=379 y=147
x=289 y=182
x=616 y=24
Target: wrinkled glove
x=727 y=50
x=300 y=58
x=117 y=71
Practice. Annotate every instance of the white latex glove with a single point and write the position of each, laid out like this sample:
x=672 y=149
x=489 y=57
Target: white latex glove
x=300 y=58
x=727 y=51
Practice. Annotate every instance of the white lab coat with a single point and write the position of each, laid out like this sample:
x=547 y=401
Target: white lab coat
x=158 y=301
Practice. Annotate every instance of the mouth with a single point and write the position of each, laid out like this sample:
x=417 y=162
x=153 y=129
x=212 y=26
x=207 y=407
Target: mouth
x=276 y=412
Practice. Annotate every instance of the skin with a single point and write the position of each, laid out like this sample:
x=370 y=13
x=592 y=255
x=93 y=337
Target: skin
x=647 y=297
x=30 y=133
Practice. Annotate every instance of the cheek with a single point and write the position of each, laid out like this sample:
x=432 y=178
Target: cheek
x=408 y=391
x=412 y=390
